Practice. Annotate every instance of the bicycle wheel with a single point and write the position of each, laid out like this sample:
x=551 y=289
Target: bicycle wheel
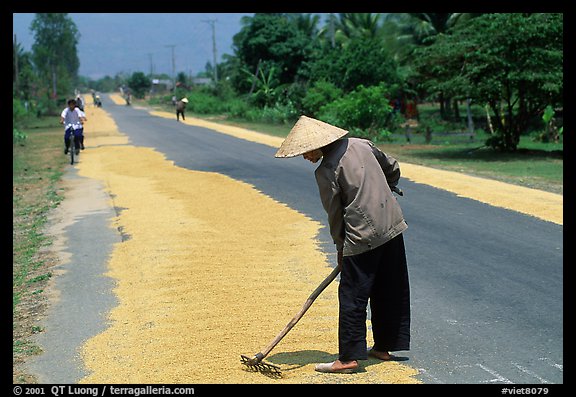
x=72 y=149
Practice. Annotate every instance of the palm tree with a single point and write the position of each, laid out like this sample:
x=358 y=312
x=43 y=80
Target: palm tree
x=430 y=24
x=339 y=31
x=307 y=23
x=364 y=25
x=405 y=32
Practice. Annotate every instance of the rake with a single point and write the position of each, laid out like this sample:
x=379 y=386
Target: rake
x=255 y=363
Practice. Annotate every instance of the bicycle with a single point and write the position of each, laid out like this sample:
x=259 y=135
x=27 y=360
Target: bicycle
x=71 y=132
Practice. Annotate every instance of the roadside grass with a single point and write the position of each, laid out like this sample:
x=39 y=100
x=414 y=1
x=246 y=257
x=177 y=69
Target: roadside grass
x=37 y=166
x=533 y=165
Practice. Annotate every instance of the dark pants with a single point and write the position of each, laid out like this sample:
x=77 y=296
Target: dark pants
x=78 y=137
x=178 y=113
x=381 y=277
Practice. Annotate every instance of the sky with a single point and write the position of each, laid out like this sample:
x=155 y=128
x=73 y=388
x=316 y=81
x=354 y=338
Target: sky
x=112 y=43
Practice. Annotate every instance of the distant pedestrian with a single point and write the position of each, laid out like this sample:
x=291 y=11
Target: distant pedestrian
x=180 y=108
x=127 y=96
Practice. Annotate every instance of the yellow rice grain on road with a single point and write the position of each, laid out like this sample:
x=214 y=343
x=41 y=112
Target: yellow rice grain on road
x=211 y=269
x=544 y=205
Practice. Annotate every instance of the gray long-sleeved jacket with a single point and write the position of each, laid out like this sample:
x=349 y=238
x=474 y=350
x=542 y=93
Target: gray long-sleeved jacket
x=354 y=180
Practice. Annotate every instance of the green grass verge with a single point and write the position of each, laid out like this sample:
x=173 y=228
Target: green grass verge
x=37 y=166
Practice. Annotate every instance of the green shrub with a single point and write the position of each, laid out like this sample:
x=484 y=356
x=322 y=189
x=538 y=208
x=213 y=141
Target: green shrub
x=47 y=107
x=18 y=136
x=366 y=109
x=18 y=111
x=277 y=114
x=320 y=94
x=237 y=108
x=280 y=113
x=203 y=103
x=376 y=136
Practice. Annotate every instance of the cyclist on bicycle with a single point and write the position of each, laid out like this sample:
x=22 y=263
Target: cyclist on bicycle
x=73 y=119
x=80 y=102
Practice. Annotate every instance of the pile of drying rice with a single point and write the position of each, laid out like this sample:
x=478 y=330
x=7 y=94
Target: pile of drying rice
x=212 y=269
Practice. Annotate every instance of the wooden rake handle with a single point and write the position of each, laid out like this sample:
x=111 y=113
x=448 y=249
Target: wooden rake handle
x=299 y=315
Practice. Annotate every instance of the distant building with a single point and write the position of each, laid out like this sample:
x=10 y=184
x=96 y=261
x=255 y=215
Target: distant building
x=161 y=86
x=202 y=81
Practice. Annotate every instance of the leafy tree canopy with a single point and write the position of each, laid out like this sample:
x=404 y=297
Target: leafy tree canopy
x=512 y=62
x=55 y=40
x=276 y=40
x=361 y=62
x=139 y=83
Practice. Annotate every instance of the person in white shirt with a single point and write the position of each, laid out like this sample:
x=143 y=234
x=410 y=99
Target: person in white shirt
x=73 y=119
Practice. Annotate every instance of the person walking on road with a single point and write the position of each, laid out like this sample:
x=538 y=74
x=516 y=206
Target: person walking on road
x=180 y=108
x=356 y=180
x=73 y=119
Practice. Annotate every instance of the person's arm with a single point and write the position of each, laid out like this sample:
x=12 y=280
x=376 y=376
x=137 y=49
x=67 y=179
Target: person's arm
x=63 y=116
x=332 y=203
x=389 y=166
x=81 y=116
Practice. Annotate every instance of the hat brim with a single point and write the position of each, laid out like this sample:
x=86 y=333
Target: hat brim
x=308 y=134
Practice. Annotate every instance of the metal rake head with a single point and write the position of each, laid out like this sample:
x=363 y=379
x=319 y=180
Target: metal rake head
x=257 y=365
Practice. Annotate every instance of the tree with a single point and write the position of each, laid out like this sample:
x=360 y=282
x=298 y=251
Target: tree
x=306 y=23
x=430 y=24
x=271 y=41
x=54 y=51
x=139 y=83
x=24 y=79
x=405 y=32
x=362 y=62
x=511 y=62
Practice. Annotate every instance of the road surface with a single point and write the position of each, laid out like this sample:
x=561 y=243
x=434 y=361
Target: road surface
x=486 y=282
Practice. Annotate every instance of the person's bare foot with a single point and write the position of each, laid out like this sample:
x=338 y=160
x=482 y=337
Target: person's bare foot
x=338 y=367
x=384 y=356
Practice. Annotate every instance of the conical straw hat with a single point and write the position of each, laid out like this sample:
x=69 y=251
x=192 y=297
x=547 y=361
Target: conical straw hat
x=308 y=134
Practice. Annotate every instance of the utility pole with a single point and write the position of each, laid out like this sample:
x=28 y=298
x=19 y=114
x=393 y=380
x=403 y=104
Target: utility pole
x=173 y=68
x=211 y=22
x=151 y=64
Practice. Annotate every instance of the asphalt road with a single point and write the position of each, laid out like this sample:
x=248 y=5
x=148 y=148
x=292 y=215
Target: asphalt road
x=486 y=282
